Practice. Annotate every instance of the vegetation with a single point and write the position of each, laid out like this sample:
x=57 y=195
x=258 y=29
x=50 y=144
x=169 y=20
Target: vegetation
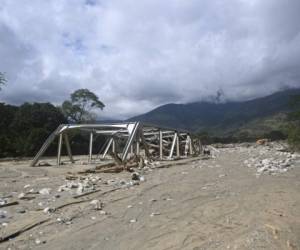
x=257 y=116
x=25 y=128
x=79 y=109
x=294 y=128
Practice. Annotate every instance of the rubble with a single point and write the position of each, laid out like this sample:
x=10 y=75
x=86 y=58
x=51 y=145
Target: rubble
x=269 y=158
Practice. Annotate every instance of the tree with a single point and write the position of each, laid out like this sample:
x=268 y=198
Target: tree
x=2 y=80
x=80 y=107
x=7 y=114
x=31 y=126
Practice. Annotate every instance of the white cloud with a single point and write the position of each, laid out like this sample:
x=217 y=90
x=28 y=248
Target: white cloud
x=136 y=55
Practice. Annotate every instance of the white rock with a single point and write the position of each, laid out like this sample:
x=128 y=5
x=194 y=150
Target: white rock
x=31 y=191
x=72 y=185
x=265 y=161
x=97 y=204
x=38 y=241
x=79 y=189
x=48 y=210
x=3 y=214
x=261 y=169
x=45 y=191
x=21 y=195
x=133 y=221
x=2 y=201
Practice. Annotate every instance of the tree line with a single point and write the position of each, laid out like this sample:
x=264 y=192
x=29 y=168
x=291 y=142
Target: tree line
x=23 y=129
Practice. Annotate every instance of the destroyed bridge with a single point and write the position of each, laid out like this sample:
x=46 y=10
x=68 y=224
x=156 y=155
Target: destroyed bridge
x=122 y=141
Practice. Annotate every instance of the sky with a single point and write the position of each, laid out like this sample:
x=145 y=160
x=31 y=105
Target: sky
x=137 y=55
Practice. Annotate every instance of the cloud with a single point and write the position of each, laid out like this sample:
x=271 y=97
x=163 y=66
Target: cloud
x=136 y=55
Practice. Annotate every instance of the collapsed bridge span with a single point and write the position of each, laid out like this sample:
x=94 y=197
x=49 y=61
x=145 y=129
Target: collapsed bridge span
x=124 y=140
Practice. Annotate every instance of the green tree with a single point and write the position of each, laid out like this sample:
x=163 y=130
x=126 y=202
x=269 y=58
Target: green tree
x=7 y=113
x=31 y=126
x=294 y=128
x=80 y=107
x=2 y=80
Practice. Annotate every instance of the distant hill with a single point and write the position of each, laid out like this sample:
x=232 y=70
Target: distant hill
x=265 y=114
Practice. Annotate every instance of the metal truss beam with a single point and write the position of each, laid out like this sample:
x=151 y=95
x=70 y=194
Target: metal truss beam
x=124 y=139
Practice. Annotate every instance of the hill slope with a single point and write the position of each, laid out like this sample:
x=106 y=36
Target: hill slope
x=220 y=118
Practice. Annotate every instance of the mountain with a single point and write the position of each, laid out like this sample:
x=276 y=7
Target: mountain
x=267 y=112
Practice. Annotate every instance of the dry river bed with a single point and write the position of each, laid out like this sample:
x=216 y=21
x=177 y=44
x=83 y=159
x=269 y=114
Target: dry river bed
x=216 y=203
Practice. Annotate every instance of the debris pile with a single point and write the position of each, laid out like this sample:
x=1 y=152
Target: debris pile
x=83 y=184
x=271 y=158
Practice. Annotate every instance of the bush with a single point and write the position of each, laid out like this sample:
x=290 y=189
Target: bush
x=275 y=135
x=294 y=137
x=294 y=129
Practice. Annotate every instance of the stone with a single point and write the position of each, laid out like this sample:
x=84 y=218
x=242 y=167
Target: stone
x=21 y=195
x=79 y=189
x=3 y=202
x=135 y=176
x=72 y=185
x=97 y=204
x=48 y=210
x=3 y=214
x=45 y=191
x=38 y=241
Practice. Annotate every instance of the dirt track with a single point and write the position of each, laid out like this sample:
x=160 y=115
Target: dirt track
x=207 y=204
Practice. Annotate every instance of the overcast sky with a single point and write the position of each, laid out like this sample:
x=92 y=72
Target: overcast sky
x=137 y=55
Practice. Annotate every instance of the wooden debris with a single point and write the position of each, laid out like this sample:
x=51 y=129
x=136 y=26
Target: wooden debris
x=178 y=163
x=19 y=227
x=71 y=177
x=108 y=165
x=9 y=204
x=27 y=198
x=95 y=191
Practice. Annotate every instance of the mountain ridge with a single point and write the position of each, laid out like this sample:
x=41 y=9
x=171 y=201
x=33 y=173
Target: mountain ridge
x=206 y=116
